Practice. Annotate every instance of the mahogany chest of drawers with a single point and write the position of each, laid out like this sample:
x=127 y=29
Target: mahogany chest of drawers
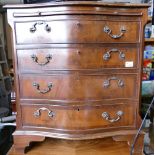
x=77 y=70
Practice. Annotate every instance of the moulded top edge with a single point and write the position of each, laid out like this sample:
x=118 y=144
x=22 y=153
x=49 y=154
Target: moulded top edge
x=76 y=3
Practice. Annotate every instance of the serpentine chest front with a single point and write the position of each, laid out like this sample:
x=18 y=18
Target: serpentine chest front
x=78 y=69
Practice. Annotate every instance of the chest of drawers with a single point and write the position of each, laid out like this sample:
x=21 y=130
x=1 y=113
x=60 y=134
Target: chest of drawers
x=77 y=70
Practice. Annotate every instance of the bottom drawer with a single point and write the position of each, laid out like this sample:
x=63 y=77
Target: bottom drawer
x=79 y=117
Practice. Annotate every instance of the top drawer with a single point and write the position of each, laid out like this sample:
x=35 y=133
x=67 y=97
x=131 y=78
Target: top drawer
x=76 y=31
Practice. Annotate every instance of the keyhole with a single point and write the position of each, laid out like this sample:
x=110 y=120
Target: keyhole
x=39 y=13
x=76 y=108
x=78 y=24
x=78 y=52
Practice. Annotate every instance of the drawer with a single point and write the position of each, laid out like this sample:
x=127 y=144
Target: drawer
x=77 y=58
x=79 y=118
x=78 y=87
x=76 y=31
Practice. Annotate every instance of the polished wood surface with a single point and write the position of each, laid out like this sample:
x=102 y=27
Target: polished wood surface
x=76 y=31
x=78 y=87
x=77 y=58
x=106 y=146
x=77 y=70
x=82 y=3
x=79 y=117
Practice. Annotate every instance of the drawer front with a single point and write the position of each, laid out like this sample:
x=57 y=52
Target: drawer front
x=78 y=87
x=77 y=58
x=76 y=31
x=79 y=118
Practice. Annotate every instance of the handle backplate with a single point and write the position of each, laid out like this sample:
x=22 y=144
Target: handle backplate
x=106 y=116
x=38 y=112
x=36 y=60
x=107 y=55
x=43 y=91
x=119 y=82
x=109 y=32
x=34 y=26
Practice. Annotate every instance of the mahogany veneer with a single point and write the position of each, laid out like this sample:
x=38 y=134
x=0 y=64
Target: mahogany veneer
x=106 y=146
x=77 y=70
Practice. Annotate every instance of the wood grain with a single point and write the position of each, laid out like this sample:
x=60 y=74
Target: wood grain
x=78 y=76
x=104 y=146
x=80 y=118
x=76 y=31
x=78 y=87
x=77 y=58
x=82 y=3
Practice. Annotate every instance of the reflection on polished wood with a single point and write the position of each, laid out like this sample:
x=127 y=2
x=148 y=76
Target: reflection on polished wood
x=104 y=146
x=89 y=86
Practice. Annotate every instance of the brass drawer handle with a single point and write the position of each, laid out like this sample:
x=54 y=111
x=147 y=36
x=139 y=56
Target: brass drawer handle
x=109 y=32
x=35 y=59
x=107 y=55
x=34 y=26
x=37 y=86
x=107 y=82
x=38 y=112
x=106 y=116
